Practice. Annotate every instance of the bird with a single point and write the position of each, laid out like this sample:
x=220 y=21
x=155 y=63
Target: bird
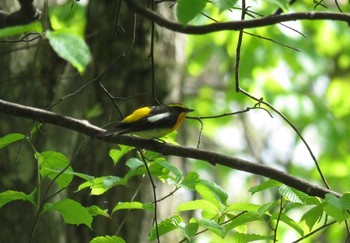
x=150 y=122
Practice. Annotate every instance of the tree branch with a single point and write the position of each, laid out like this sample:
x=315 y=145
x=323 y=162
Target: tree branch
x=213 y=158
x=26 y=14
x=233 y=25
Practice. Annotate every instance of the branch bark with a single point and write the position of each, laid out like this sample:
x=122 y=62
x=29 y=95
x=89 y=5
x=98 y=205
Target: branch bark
x=26 y=14
x=213 y=158
x=233 y=25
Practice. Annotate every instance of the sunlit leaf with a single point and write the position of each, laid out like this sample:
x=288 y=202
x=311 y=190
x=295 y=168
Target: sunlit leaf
x=267 y=206
x=117 y=154
x=264 y=185
x=243 y=238
x=172 y=168
x=9 y=196
x=10 y=138
x=289 y=194
x=212 y=226
x=72 y=212
x=337 y=207
x=338 y=97
x=217 y=190
x=64 y=18
x=166 y=226
x=107 y=239
x=56 y=166
x=190 y=181
x=289 y=221
x=102 y=184
x=71 y=48
x=242 y=220
x=243 y=206
x=197 y=204
x=224 y=4
x=132 y=205
x=95 y=211
x=188 y=230
x=21 y=29
x=312 y=216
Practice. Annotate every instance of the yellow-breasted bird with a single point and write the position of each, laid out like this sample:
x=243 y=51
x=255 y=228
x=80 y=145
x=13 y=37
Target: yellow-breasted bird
x=151 y=121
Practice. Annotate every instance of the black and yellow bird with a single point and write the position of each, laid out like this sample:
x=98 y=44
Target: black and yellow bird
x=151 y=121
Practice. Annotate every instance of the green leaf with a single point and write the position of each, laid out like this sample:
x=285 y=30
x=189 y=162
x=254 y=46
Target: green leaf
x=287 y=220
x=188 y=230
x=197 y=204
x=9 y=196
x=242 y=220
x=216 y=190
x=312 y=216
x=133 y=205
x=21 y=29
x=102 y=184
x=107 y=239
x=212 y=226
x=265 y=207
x=243 y=206
x=166 y=226
x=334 y=201
x=97 y=211
x=70 y=20
x=337 y=96
x=117 y=154
x=190 y=181
x=35 y=129
x=264 y=185
x=290 y=194
x=224 y=4
x=208 y=195
x=71 y=48
x=243 y=238
x=52 y=164
x=72 y=212
x=172 y=168
x=345 y=201
x=188 y=9
x=83 y=176
x=209 y=210
x=337 y=207
x=10 y=138
x=134 y=163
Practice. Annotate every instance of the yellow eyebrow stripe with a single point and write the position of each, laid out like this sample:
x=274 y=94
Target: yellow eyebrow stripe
x=137 y=115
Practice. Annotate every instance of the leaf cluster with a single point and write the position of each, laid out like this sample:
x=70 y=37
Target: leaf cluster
x=215 y=214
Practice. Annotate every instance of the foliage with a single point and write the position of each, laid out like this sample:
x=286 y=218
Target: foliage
x=305 y=80
x=226 y=220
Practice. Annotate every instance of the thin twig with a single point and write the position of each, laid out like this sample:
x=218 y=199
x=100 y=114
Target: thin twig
x=272 y=40
x=278 y=219
x=315 y=231
x=169 y=194
x=240 y=90
x=155 y=220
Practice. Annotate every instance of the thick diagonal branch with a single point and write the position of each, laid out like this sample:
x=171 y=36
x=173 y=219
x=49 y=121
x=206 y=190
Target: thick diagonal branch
x=213 y=158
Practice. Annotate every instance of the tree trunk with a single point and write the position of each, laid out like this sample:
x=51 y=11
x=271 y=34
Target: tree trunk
x=35 y=76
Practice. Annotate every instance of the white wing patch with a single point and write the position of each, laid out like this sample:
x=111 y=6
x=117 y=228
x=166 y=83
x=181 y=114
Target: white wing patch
x=158 y=117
